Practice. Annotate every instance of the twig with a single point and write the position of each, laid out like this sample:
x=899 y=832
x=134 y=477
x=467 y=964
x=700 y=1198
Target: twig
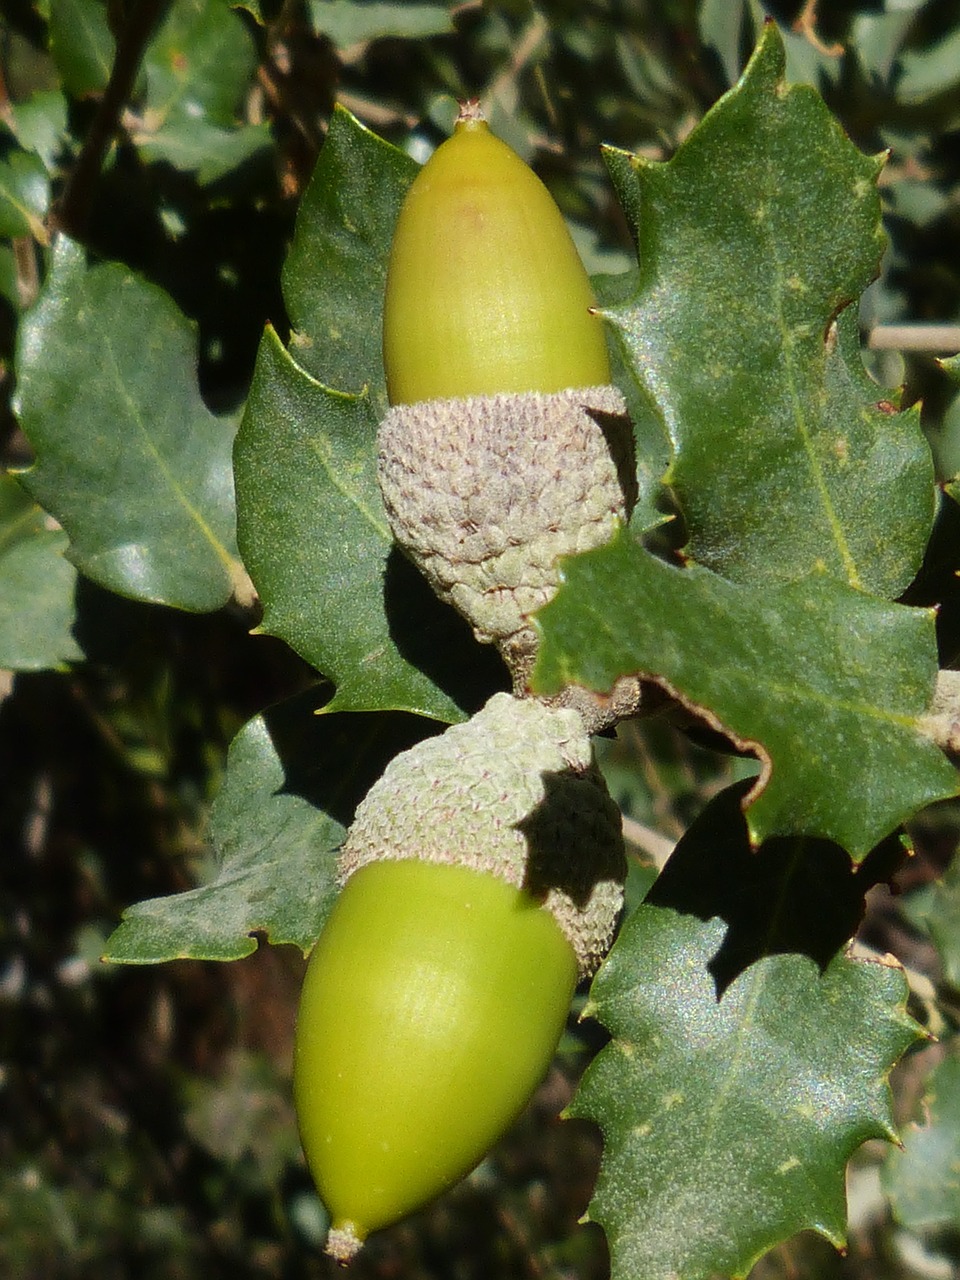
x=932 y=338
x=657 y=847
x=72 y=211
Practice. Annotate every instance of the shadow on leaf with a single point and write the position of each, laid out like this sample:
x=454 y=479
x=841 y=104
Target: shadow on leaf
x=794 y=894
x=333 y=760
x=433 y=637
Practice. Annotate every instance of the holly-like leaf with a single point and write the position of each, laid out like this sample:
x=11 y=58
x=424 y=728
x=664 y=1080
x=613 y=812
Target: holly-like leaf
x=198 y=69
x=336 y=272
x=751 y=239
x=128 y=458
x=292 y=782
x=24 y=196
x=36 y=587
x=793 y=894
x=824 y=682
x=727 y=1125
x=923 y=1179
x=317 y=544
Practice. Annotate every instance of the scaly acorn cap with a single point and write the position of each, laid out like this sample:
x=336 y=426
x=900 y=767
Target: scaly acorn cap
x=505 y=447
x=513 y=792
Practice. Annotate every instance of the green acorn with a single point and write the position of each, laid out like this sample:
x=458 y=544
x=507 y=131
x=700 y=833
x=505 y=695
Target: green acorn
x=484 y=875
x=506 y=446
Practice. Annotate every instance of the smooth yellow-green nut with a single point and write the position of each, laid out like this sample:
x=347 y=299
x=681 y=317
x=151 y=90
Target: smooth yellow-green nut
x=484 y=872
x=485 y=290
x=505 y=447
x=431 y=1008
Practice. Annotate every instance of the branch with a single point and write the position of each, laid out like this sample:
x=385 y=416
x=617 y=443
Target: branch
x=72 y=210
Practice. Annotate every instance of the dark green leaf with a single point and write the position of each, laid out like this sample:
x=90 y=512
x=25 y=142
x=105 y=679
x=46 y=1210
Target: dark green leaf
x=923 y=1180
x=653 y=447
x=349 y=22
x=336 y=272
x=823 y=682
x=82 y=45
x=727 y=1125
x=292 y=782
x=765 y=225
x=792 y=894
x=36 y=586
x=24 y=196
x=128 y=458
x=317 y=544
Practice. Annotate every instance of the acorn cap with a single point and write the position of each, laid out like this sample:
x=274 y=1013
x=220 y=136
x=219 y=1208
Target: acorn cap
x=514 y=792
x=486 y=493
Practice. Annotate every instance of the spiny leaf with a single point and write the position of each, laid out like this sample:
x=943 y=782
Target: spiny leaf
x=292 y=782
x=727 y=1125
x=128 y=458
x=36 y=587
x=336 y=272
x=792 y=894
x=317 y=544
x=824 y=682
x=761 y=229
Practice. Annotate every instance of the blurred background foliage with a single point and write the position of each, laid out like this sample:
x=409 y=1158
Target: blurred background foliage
x=146 y=1124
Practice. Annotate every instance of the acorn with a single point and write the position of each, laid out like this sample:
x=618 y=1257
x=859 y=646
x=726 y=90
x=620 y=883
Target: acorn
x=483 y=877
x=506 y=447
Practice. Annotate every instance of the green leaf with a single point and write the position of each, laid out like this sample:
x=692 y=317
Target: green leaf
x=727 y=1125
x=40 y=124
x=128 y=458
x=821 y=681
x=292 y=782
x=759 y=231
x=652 y=442
x=198 y=69
x=923 y=1179
x=36 y=587
x=81 y=44
x=317 y=544
x=792 y=894
x=924 y=73
x=24 y=196
x=350 y=22
x=203 y=148
x=200 y=63
x=336 y=271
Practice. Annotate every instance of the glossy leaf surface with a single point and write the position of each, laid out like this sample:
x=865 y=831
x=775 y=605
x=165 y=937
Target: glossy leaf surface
x=761 y=229
x=128 y=458
x=727 y=1126
x=823 y=682
x=315 y=538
